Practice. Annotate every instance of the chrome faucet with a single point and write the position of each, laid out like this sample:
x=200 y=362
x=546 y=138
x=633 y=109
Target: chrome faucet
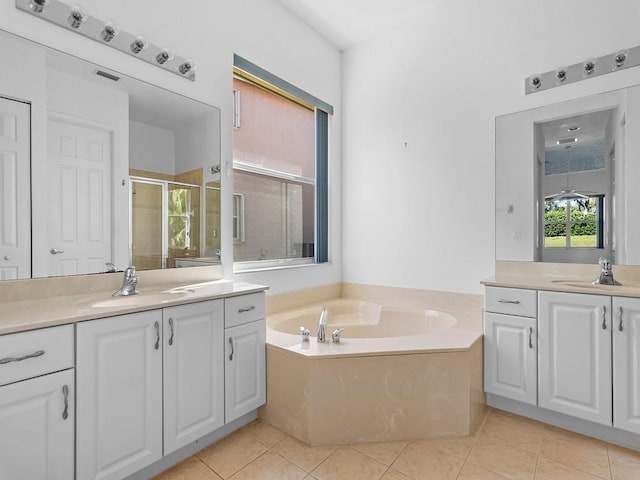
x=606 y=274
x=322 y=326
x=335 y=336
x=217 y=253
x=129 y=283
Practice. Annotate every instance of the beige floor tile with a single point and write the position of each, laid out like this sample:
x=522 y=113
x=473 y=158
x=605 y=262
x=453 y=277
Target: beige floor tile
x=384 y=452
x=270 y=466
x=625 y=464
x=476 y=472
x=456 y=446
x=421 y=462
x=265 y=433
x=503 y=459
x=346 y=463
x=577 y=451
x=232 y=453
x=517 y=431
x=302 y=455
x=392 y=474
x=190 y=469
x=552 y=470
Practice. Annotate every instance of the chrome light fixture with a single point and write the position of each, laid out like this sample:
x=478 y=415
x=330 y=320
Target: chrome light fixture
x=589 y=67
x=77 y=17
x=38 y=5
x=620 y=59
x=561 y=75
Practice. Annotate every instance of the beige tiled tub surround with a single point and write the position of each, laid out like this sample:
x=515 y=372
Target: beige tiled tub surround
x=382 y=389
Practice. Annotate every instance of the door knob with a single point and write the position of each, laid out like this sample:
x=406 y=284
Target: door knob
x=55 y=251
x=7 y=257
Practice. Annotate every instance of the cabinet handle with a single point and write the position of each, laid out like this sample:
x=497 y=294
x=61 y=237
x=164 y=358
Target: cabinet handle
x=156 y=325
x=620 y=324
x=231 y=343
x=39 y=353
x=65 y=393
x=512 y=302
x=604 y=317
x=248 y=309
x=171 y=330
x=530 y=337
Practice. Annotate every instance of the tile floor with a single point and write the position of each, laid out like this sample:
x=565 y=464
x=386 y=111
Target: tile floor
x=505 y=446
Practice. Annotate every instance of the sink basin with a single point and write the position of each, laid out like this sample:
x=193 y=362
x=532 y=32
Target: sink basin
x=586 y=284
x=141 y=299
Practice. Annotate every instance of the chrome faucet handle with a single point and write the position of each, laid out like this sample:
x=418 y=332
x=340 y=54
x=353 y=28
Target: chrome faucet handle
x=111 y=267
x=335 y=336
x=130 y=272
x=304 y=334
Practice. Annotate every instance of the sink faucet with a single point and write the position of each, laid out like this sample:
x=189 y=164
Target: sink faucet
x=322 y=326
x=217 y=253
x=606 y=275
x=129 y=283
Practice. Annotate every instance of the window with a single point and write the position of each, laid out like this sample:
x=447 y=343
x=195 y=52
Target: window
x=280 y=171
x=574 y=223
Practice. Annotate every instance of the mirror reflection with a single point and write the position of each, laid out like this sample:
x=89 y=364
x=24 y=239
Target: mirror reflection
x=564 y=181
x=99 y=168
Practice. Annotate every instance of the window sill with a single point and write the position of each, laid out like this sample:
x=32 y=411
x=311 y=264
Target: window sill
x=285 y=265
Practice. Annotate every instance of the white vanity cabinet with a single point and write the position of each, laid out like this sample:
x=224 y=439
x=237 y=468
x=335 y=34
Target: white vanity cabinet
x=626 y=364
x=119 y=395
x=193 y=371
x=245 y=332
x=575 y=355
x=510 y=343
x=37 y=405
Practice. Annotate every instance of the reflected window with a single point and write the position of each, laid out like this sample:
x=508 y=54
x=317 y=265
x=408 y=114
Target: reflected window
x=574 y=223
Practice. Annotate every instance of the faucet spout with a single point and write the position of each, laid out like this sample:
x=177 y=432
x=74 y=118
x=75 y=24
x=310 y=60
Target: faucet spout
x=129 y=283
x=322 y=326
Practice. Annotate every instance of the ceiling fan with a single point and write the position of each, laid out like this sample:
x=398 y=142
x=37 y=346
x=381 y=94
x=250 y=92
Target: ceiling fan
x=568 y=193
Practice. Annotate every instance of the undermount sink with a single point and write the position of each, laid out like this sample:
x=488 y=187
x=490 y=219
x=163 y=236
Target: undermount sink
x=142 y=299
x=588 y=284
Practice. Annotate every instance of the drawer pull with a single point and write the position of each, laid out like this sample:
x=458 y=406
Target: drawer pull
x=604 y=317
x=231 y=343
x=512 y=302
x=530 y=337
x=248 y=309
x=620 y=324
x=65 y=393
x=171 y=330
x=39 y=353
x=156 y=325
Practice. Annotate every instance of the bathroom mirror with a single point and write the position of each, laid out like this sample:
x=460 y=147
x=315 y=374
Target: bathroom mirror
x=74 y=140
x=565 y=181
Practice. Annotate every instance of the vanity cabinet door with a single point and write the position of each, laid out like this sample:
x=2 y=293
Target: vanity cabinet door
x=626 y=364
x=36 y=436
x=510 y=357
x=575 y=355
x=119 y=388
x=245 y=385
x=193 y=372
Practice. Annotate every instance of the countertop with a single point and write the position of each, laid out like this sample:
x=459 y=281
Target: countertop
x=32 y=314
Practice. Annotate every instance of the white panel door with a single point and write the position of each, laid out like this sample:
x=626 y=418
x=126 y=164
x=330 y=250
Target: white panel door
x=510 y=357
x=575 y=355
x=37 y=428
x=119 y=403
x=15 y=192
x=193 y=372
x=626 y=364
x=78 y=236
x=245 y=385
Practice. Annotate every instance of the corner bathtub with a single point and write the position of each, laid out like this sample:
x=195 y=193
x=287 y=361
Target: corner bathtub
x=398 y=373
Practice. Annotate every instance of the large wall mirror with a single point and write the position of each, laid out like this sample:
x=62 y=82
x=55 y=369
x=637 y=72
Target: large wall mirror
x=566 y=177
x=100 y=169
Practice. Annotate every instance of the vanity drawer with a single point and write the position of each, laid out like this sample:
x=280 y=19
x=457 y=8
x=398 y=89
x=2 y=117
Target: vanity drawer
x=36 y=352
x=511 y=301
x=243 y=309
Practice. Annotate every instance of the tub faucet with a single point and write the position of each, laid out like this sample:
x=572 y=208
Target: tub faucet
x=129 y=283
x=606 y=274
x=322 y=326
x=335 y=336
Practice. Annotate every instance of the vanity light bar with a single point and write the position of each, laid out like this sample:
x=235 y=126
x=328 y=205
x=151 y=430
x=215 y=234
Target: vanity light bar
x=106 y=33
x=593 y=67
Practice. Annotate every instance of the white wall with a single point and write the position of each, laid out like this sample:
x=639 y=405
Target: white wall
x=422 y=215
x=152 y=148
x=261 y=31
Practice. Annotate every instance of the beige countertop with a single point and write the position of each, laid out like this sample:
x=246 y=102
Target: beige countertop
x=564 y=278
x=17 y=316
